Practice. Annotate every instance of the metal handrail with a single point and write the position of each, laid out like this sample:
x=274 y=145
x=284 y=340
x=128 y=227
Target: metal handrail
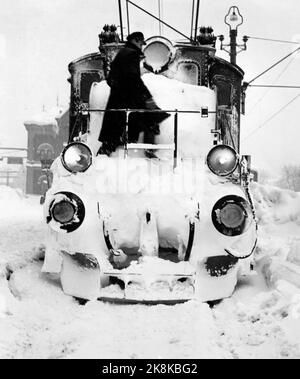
x=138 y=110
x=129 y=111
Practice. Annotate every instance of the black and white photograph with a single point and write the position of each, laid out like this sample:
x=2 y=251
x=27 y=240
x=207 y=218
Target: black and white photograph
x=149 y=182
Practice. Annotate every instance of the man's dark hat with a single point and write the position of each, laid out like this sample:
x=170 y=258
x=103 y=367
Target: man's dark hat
x=137 y=36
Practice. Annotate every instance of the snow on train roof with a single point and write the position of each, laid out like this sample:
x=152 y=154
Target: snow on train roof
x=167 y=91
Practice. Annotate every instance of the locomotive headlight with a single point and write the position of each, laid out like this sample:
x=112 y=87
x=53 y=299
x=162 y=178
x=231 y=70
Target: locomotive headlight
x=63 y=211
x=232 y=215
x=66 y=212
x=76 y=157
x=222 y=160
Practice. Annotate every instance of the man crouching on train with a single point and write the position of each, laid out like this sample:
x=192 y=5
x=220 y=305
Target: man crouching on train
x=128 y=91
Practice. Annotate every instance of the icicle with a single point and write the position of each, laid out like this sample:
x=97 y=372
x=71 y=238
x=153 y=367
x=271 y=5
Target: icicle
x=181 y=248
x=149 y=236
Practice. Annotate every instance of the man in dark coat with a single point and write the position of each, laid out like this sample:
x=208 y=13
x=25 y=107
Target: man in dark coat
x=128 y=91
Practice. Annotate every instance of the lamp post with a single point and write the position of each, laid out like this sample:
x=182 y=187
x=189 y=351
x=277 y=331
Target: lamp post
x=233 y=19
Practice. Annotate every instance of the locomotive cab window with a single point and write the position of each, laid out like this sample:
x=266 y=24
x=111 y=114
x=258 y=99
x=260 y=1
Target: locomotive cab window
x=224 y=91
x=188 y=72
x=86 y=81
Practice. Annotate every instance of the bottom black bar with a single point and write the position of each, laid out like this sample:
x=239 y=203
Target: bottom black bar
x=101 y=368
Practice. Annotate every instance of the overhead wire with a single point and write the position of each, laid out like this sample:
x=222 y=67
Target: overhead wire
x=197 y=19
x=159 y=16
x=273 y=40
x=272 y=117
x=272 y=86
x=269 y=89
x=192 y=21
x=281 y=73
x=162 y=16
x=274 y=65
x=156 y=18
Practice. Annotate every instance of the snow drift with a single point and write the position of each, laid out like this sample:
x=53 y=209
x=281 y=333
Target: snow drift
x=38 y=321
x=278 y=252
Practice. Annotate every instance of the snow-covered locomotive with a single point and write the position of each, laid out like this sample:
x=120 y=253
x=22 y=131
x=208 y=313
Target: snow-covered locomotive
x=179 y=227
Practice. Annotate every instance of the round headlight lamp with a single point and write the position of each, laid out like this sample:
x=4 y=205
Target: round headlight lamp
x=63 y=212
x=158 y=53
x=222 y=160
x=66 y=212
x=76 y=157
x=232 y=215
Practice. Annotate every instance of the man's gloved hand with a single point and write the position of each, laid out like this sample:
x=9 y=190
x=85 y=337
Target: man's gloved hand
x=154 y=128
x=151 y=104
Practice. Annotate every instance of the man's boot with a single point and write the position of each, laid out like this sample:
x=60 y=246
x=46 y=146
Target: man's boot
x=107 y=148
x=149 y=137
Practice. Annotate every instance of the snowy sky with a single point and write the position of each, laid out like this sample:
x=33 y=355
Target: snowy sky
x=38 y=38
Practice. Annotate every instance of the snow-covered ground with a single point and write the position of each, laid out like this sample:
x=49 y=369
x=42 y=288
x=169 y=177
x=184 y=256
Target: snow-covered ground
x=261 y=320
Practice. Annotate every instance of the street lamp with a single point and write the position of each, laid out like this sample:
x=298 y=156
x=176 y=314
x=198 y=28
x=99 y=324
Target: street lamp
x=233 y=19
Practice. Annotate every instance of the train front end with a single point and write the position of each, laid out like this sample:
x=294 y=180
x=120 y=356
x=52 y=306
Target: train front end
x=176 y=227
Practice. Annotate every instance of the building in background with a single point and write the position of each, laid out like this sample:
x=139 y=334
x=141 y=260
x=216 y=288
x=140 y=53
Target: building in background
x=47 y=133
x=13 y=167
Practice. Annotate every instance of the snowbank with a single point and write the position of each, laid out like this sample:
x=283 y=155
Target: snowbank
x=10 y=195
x=276 y=205
x=13 y=203
x=21 y=237
x=264 y=326
x=278 y=253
